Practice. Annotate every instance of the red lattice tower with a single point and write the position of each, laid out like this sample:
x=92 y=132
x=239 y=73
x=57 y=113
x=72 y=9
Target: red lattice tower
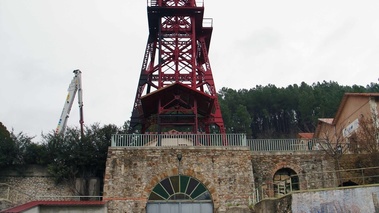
x=176 y=89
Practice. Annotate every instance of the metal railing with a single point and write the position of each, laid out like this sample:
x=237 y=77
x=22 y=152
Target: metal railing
x=271 y=145
x=139 y=140
x=327 y=180
x=13 y=196
x=255 y=145
x=153 y=3
x=70 y=198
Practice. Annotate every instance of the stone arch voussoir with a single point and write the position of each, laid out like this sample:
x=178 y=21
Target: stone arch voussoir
x=279 y=166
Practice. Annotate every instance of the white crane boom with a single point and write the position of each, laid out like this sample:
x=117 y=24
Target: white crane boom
x=75 y=86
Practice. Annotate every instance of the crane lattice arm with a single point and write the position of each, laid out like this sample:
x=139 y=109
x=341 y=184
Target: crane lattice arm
x=75 y=86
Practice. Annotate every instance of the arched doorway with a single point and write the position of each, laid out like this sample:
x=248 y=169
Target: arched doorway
x=179 y=193
x=285 y=180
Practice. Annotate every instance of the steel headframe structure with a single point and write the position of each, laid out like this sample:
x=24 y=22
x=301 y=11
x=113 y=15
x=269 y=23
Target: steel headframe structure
x=176 y=89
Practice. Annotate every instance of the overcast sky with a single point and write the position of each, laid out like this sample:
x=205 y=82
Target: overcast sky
x=254 y=42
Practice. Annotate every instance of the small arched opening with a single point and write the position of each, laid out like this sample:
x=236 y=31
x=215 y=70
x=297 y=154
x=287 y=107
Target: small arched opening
x=179 y=193
x=285 y=180
x=348 y=183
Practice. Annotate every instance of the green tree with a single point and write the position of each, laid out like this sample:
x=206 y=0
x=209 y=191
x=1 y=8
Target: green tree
x=71 y=156
x=307 y=108
x=241 y=120
x=372 y=87
x=23 y=150
x=7 y=147
x=35 y=154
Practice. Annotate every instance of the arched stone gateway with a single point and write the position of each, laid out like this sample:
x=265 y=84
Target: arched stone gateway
x=179 y=193
x=285 y=180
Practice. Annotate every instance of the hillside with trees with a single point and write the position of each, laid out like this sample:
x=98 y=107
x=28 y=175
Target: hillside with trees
x=272 y=112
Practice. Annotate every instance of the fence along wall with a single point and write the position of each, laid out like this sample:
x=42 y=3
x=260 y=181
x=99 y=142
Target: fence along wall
x=179 y=140
x=153 y=139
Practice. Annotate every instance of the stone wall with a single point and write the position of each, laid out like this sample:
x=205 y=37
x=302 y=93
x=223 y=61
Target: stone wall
x=132 y=173
x=32 y=182
x=310 y=167
x=230 y=174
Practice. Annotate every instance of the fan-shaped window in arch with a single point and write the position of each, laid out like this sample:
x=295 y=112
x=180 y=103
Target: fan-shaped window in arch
x=179 y=188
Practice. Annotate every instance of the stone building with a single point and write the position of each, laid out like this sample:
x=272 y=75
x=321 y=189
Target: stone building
x=206 y=178
x=165 y=179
